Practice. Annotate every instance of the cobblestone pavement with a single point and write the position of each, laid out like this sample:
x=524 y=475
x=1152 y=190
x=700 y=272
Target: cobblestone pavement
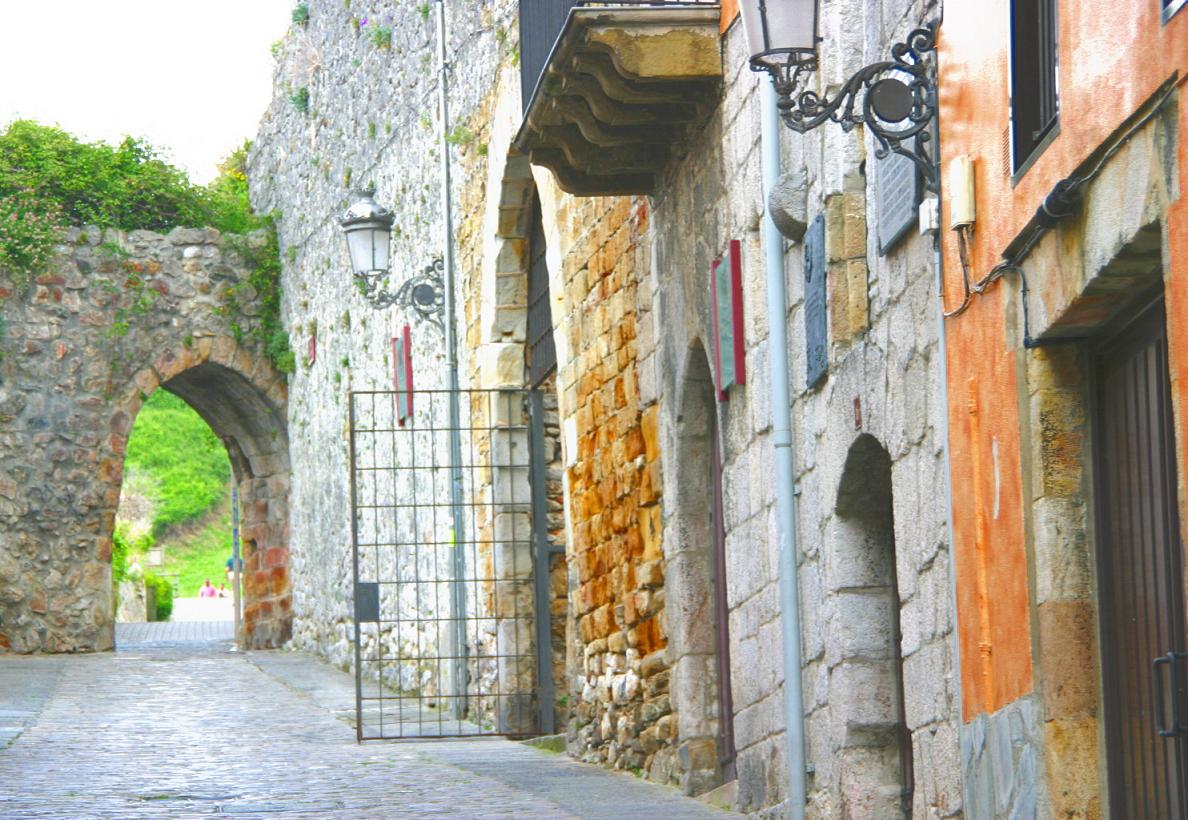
x=167 y=728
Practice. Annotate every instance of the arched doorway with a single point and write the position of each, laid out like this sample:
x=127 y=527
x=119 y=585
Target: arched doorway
x=876 y=749
x=248 y=418
x=696 y=576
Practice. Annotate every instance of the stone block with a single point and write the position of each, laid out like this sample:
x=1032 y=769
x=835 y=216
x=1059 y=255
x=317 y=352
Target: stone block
x=1068 y=643
x=1071 y=756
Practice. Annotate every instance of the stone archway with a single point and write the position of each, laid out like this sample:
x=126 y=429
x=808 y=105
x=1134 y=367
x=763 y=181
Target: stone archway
x=243 y=400
x=698 y=642
x=118 y=316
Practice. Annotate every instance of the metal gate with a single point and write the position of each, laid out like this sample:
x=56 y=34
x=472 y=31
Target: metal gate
x=446 y=534
x=1141 y=575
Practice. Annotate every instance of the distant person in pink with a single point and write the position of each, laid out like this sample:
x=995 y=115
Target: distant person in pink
x=208 y=590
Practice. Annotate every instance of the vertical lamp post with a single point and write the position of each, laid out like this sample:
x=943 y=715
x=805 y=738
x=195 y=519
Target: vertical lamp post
x=368 y=228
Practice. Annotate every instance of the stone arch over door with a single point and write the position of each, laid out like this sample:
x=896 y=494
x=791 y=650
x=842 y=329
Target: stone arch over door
x=866 y=691
x=700 y=677
x=243 y=400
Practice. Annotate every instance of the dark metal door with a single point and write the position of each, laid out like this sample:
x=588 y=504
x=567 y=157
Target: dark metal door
x=726 y=751
x=445 y=626
x=1140 y=574
x=540 y=347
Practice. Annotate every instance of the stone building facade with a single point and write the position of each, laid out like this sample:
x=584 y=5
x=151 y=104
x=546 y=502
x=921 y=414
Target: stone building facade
x=116 y=317
x=660 y=674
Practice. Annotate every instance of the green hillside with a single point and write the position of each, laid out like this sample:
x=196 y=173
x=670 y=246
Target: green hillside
x=177 y=460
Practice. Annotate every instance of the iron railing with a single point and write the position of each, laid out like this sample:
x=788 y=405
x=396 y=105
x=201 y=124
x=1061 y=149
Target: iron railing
x=541 y=22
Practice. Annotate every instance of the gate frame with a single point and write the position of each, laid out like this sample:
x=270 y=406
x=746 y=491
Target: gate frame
x=366 y=594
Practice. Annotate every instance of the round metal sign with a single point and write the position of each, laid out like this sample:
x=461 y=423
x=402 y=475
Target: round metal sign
x=891 y=100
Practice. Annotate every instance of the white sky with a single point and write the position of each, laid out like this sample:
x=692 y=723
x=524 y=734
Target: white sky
x=191 y=77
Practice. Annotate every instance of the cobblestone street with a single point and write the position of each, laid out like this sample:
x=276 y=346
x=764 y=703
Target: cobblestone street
x=177 y=724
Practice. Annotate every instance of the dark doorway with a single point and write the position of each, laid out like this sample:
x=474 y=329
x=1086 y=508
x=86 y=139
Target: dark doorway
x=541 y=350
x=1140 y=571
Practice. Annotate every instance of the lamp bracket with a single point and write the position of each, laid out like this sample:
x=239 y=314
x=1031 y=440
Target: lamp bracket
x=423 y=292
x=895 y=99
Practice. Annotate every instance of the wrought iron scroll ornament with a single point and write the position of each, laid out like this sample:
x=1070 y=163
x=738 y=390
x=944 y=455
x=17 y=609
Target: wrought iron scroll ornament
x=423 y=292
x=895 y=99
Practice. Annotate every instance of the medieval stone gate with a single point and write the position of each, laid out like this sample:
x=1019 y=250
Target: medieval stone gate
x=81 y=348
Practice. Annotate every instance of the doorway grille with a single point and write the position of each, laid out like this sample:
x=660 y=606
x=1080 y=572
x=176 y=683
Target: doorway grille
x=445 y=566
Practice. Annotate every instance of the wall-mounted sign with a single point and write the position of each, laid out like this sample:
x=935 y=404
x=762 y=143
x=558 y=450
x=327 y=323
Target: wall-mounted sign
x=816 y=325
x=899 y=193
x=726 y=298
x=402 y=366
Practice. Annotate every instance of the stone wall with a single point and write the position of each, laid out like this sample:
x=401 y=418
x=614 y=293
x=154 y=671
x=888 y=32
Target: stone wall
x=371 y=120
x=116 y=317
x=614 y=487
x=881 y=399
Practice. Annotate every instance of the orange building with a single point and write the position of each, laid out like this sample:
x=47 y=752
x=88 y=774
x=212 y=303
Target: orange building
x=1062 y=138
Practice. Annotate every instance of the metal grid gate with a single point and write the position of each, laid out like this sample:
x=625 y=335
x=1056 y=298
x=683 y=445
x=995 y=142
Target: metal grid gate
x=446 y=576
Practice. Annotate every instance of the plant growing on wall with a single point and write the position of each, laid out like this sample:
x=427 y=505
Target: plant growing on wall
x=50 y=180
x=30 y=228
x=300 y=100
x=301 y=14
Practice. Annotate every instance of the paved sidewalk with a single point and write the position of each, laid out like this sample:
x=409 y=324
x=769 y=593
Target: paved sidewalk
x=168 y=728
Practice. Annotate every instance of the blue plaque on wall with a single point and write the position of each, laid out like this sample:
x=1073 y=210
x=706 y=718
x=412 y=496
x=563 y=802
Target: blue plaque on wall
x=816 y=320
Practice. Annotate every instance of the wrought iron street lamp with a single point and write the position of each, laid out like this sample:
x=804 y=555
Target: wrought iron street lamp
x=368 y=229
x=895 y=98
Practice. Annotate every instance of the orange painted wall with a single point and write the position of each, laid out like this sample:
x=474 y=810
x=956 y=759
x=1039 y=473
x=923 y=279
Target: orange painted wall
x=729 y=12
x=1113 y=56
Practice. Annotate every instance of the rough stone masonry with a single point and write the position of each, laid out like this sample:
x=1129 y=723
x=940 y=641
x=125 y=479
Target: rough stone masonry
x=116 y=317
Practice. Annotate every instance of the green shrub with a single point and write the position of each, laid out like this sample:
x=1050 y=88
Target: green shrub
x=30 y=228
x=381 y=36
x=164 y=591
x=301 y=14
x=300 y=100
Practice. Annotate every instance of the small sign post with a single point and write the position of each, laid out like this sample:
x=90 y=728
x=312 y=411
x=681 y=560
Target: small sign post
x=402 y=367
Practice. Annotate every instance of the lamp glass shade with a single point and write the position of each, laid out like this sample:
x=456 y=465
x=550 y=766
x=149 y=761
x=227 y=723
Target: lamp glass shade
x=368 y=245
x=779 y=31
x=368 y=229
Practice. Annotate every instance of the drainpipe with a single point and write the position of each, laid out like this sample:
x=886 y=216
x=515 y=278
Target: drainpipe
x=781 y=428
x=458 y=539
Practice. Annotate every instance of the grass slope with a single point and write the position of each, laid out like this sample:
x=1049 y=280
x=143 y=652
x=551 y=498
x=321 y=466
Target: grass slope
x=186 y=463
x=200 y=554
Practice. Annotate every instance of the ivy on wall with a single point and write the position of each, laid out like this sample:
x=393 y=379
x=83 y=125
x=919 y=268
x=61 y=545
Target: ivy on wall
x=50 y=180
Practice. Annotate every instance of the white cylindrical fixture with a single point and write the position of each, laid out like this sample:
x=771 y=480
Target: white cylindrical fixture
x=960 y=190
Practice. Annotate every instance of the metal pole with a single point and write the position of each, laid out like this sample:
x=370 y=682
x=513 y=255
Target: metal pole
x=235 y=573
x=458 y=539
x=781 y=429
x=542 y=564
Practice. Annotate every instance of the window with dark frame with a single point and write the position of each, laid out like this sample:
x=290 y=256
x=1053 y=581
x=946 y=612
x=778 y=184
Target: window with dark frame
x=1170 y=7
x=1035 y=108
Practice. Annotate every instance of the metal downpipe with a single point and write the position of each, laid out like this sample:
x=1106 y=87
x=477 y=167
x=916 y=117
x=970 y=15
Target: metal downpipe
x=781 y=424
x=458 y=536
